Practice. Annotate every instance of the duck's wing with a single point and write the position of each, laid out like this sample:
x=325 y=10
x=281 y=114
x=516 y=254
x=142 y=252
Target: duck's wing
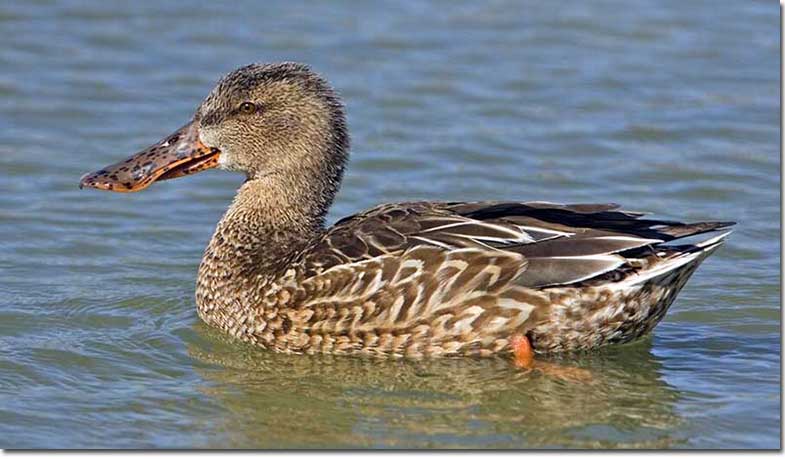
x=562 y=244
x=424 y=301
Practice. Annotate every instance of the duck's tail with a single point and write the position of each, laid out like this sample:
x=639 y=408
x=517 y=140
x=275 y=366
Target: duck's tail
x=625 y=304
x=672 y=259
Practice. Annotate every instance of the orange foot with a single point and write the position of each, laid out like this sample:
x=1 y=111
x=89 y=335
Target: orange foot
x=524 y=358
x=523 y=352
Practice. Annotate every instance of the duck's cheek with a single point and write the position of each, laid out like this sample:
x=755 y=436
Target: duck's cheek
x=210 y=137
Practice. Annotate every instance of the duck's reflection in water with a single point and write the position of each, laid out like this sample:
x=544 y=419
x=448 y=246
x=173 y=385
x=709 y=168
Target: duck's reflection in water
x=273 y=400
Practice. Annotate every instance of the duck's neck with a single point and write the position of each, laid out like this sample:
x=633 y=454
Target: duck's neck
x=272 y=219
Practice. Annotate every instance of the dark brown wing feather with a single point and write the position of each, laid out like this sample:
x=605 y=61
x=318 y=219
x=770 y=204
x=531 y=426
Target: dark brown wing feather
x=563 y=244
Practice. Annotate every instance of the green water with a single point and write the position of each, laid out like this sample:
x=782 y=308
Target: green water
x=667 y=107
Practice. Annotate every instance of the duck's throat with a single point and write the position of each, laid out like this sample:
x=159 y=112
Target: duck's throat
x=271 y=220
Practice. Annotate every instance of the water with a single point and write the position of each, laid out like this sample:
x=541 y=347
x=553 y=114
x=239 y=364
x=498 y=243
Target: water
x=668 y=107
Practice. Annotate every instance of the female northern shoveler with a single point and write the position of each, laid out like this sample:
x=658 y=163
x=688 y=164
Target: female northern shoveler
x=408 y=279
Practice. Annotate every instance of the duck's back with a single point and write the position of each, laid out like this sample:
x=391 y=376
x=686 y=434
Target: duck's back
x=562 y=244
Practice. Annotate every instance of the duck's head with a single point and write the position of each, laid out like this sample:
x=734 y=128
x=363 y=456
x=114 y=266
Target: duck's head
x=261 y=119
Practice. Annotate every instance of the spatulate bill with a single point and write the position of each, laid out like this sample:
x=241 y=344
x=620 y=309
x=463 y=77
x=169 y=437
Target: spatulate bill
x=179 y=154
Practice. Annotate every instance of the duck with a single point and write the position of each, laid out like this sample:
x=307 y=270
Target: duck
x=407 y=279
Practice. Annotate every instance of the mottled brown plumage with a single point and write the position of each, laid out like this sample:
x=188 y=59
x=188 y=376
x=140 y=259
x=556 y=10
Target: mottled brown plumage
x=407 y=279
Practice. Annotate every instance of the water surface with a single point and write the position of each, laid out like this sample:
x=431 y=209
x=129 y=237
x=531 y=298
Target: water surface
x=667 y=107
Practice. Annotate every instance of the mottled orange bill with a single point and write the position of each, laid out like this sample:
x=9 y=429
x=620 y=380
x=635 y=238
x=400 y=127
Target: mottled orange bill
x=179 y=154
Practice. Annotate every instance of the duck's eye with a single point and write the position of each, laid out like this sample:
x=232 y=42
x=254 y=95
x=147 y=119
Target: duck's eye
x=247 y=108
